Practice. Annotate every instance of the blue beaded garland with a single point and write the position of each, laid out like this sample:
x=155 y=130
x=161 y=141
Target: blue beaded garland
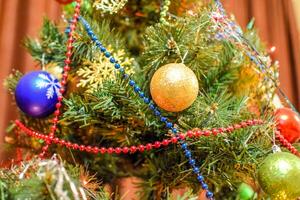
x=192 y=162
x=209 y=194
x=67 y=30
x=200 y=178
x=184 y=146
x=107 y=54
x=196 y=170
x=122 y=70
x=89 y=32
x=131 y=83
x=174 y=130
x=117 y=66
x=125 y=76
x=157 y=113
x=94 y=38
x=112 y=60
x=98 y=43
x=136 y=88
x=152 y=107
x=204 y=186
x=163 y=119
x=146 y=100
x=169 y=125
x=102 y=49
x=188 y=154
x=141 y=94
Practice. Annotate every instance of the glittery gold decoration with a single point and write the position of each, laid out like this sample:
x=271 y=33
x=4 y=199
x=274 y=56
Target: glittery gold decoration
x=248 y=80
x=94 y=72
x=109 y=6
x=174 y=87
x=256 y=86
x=279 y=175
x=281 y=196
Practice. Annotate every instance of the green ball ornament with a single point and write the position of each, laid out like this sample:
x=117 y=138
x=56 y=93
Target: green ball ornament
x=245 y=192
x=279 y=175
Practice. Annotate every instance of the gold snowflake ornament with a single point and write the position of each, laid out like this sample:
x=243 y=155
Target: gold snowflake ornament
x=109 y=6
x=94 y=72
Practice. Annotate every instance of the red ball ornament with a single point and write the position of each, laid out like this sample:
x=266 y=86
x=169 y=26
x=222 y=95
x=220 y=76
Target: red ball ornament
x=288 y=123
x=64 y=1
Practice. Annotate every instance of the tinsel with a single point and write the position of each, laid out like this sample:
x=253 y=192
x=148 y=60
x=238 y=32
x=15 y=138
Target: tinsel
x=51 y=173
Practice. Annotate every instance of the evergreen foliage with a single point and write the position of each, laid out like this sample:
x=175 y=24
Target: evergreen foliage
x=47 y=180
x=113 y=115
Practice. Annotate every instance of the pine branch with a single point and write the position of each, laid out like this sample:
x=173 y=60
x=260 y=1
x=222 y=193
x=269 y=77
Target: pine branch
x=215 y=109
x=47 y=180
x=10 y=83
x=50 y=47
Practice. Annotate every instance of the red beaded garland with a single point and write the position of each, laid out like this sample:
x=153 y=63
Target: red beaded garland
x=103 y=150
x=166 y=142
x=190 y=133
x=118 y=150
x=157 y=144
x=65 y=75
x=141 y=148
x=149 y=146
x=286 y=144
x=133 y=149
x=125 y=150
x=110 y=150
x=174 y=140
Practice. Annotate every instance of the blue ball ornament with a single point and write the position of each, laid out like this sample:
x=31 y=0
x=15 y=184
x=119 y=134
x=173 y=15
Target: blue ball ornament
x=36 y=93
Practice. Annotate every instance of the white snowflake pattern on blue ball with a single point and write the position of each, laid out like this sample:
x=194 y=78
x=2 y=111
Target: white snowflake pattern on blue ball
x=50 y=83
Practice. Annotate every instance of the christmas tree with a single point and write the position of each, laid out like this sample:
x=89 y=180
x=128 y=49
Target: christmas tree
x=173 y=94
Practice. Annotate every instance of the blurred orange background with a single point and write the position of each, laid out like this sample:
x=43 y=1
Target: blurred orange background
x=278 y=22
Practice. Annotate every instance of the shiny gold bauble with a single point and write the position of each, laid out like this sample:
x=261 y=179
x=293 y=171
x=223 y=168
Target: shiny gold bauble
x=174 y=87
x=279 y=176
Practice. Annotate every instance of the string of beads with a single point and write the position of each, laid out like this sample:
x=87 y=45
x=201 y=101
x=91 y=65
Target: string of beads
x=64 y=79
x=286 y=144
x=191 y=134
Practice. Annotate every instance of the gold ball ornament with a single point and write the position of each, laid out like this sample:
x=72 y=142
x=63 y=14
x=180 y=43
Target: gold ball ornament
x=174 y=87
x=279 y=176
